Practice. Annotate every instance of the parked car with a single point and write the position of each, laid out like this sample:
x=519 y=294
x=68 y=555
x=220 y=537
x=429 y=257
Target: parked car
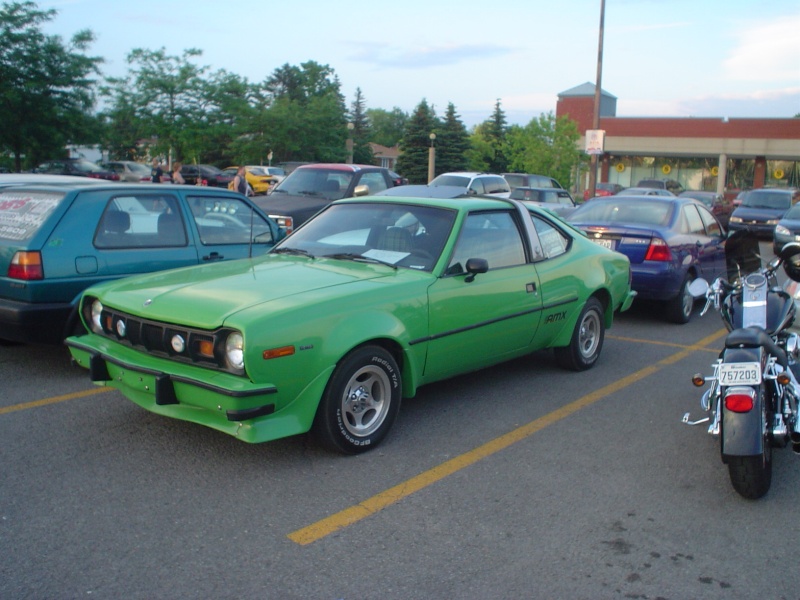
x=206 y=175
x=762 y=208
x=559 y=201
x=129 y=171
x=644 y=191
x=787 y=230
x=603 y=189
x=481 y=184
x=57 y=239
x=260 y=182
x=76 y=166
x=669 y=240
x=516 y=180
x=358 y=308
x=398 y=179
x=661 y=184
x=277 y=173
x=716 y=203
x=310 y=188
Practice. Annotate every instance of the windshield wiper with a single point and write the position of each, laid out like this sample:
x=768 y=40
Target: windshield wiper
x=308 y=193
x=295 y=251
x=360 y=258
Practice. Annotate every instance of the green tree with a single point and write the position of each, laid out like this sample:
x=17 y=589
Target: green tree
x=494 y=132
x=46 y=86
x=546 y=146
x=416 y=142
x=387 y=126
x=361 y=132
x=452 y=143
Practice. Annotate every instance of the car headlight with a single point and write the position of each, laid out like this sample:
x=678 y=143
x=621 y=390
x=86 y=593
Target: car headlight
x=736 y=219
x=95 y=315
x=234 y=351
x=772 y=221
x=781 y=230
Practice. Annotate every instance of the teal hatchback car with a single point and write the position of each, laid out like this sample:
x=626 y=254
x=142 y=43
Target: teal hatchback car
x=56 y=240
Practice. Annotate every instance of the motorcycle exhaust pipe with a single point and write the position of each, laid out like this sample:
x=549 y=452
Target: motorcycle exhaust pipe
x=794 y=437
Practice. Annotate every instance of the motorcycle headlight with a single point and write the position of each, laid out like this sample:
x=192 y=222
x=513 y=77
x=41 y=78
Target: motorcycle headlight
x=234 y=351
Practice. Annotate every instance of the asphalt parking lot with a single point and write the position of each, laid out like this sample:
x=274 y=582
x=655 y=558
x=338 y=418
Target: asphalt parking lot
x=520 y=481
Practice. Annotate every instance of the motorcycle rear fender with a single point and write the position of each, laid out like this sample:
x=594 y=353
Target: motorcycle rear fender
x=741 y=434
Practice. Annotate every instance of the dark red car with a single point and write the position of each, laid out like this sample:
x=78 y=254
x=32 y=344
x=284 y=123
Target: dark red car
x=603 y=189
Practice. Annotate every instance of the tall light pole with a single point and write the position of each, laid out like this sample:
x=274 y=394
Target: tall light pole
x=432 y=159
x=349 y=144
x=596 y=114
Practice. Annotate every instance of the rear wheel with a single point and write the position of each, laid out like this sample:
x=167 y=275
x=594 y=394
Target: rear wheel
x=751 y=476
x=679 y=309
x=587 y=339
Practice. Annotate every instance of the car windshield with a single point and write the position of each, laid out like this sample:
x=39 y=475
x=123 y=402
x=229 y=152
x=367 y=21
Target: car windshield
x=455 y=180
x=402 y=235
x=331 y=184
x=23 y=213
x=139 y=168
x=763 y=199
x=211 y=169
x=623 y=210
x=793 y=213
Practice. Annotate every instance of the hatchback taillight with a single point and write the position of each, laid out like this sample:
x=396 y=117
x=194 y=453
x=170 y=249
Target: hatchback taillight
x=27 y=266
x=658 y=250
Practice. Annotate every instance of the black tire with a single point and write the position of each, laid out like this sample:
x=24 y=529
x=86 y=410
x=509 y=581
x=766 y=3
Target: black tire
x=587 y=339
x=679 y=309
x=751 y=476
x=361 y=401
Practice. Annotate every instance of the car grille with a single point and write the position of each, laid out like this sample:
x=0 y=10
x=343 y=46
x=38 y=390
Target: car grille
x=188 y=345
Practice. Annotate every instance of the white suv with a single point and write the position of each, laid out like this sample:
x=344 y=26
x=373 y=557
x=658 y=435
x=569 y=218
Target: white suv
x=480 y=184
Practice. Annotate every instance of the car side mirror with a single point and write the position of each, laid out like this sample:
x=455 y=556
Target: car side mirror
x=361 y=190
x=475 y=266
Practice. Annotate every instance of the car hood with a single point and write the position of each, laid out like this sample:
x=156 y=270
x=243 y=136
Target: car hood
x=206 y=296
x=745 y=212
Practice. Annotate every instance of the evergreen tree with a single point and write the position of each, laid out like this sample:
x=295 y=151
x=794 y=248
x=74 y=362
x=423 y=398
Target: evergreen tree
x=361 y=132
x=416 y=143
x=452 y=143
x=494 y=131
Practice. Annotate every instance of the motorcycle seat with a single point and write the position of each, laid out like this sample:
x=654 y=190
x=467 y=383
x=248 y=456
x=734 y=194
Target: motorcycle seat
x=755 y=337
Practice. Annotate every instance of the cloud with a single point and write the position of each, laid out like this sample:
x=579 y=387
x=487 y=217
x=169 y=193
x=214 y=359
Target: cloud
x=428 y=56
x=767 y=52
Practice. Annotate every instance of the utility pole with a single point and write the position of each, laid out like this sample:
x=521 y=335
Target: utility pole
x=596 y=115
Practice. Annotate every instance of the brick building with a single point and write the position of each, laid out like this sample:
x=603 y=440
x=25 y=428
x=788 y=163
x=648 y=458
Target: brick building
x=717 y=154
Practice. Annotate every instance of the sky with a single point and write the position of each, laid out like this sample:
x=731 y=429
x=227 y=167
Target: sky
x=660 y=58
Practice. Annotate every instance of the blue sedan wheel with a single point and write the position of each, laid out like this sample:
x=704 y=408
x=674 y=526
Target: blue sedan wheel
x=361 y=401
x=679 y=309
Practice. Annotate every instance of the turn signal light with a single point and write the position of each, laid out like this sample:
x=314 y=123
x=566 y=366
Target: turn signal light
x=278 y=352
x=740 y=403
x=27 y=266
x=698 y=380
x=783 y=378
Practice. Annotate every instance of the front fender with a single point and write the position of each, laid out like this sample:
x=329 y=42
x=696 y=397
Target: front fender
x=742 y=434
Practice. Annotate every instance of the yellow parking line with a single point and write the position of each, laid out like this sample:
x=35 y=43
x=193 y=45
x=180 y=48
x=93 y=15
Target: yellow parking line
x=53 y=400
x=376 y=503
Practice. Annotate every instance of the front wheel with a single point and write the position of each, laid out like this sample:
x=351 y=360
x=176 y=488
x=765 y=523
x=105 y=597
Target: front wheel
x=361 y=401
x=587 y=339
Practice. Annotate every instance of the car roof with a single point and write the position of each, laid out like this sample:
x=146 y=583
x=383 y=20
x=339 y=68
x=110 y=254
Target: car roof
x=459 y=203
x=46 y=179
x=424 y=191
x=339 y=167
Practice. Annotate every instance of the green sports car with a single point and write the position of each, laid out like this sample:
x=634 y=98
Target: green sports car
x=355 y=310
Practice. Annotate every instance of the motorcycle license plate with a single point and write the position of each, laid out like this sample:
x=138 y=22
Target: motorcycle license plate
x=740 y=373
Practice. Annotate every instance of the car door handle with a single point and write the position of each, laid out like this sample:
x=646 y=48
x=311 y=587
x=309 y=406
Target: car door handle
x=214 y=256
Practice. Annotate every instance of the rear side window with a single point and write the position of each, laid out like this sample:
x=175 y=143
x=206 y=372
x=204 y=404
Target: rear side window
x=226 y=220
x=23 y=213
x=142 y=221
x=375 y=181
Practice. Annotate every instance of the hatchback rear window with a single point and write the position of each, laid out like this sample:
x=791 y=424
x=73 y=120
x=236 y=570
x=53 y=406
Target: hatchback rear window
x=23 y=213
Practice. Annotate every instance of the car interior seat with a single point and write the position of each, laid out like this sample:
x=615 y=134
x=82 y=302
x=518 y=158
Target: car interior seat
x=397 y=239
x=170 y=229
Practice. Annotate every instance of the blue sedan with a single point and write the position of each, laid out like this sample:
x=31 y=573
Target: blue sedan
x=669 y=240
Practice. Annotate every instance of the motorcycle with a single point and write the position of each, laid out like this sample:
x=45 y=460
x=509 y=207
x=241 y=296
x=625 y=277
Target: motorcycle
x=752 y=399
